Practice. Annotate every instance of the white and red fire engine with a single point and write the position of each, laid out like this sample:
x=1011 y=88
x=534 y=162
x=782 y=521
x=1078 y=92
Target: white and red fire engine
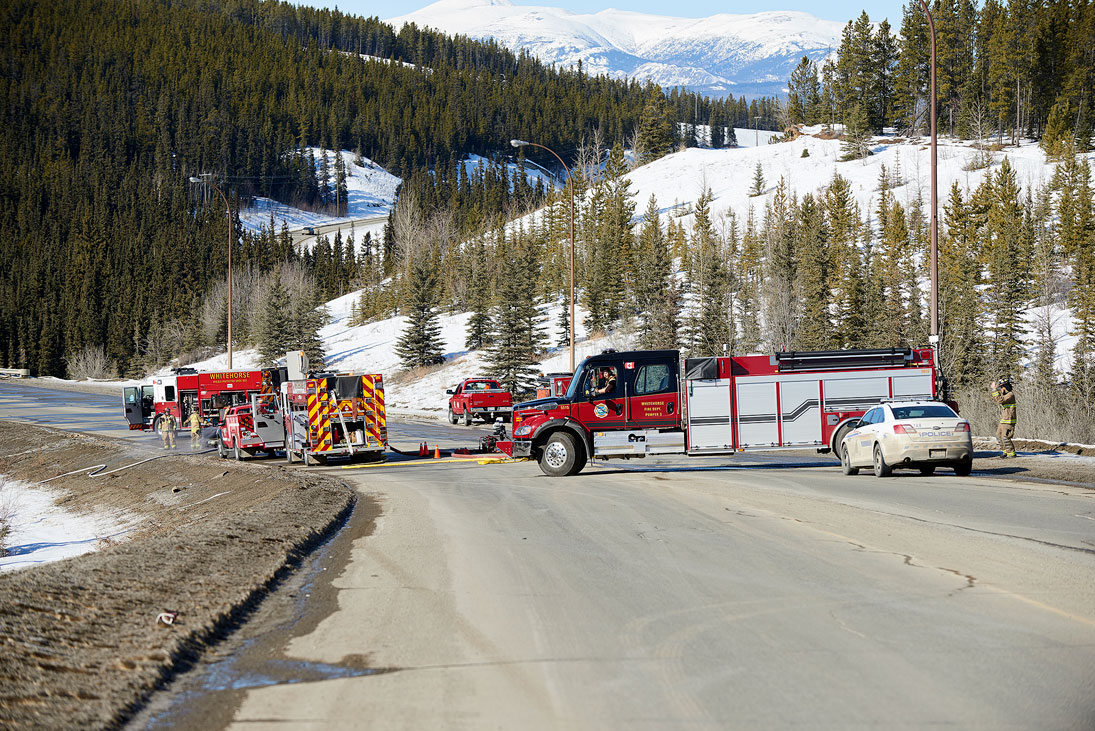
x=187 y=391
x=638 y=403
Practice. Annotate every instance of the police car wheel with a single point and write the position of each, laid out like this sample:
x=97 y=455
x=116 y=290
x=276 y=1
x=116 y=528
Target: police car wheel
x=881 y=469
x=559 y=455
x=846 y=462
x=963 y=467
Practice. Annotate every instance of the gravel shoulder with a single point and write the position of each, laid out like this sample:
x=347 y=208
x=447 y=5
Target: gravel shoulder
x=80 y=645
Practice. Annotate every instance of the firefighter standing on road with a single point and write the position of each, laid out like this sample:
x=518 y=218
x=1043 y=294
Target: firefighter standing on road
x=168 y=425
x=1003 y=394
x=194 y=423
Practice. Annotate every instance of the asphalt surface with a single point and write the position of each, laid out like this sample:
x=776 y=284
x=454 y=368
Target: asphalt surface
x=764 y=591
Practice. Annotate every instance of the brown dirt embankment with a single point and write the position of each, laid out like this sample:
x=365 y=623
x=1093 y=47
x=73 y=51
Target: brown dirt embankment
x=80 y=645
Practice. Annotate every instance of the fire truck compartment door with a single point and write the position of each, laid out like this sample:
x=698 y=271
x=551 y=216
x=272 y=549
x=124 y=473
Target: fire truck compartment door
x=757 y=425
x=709 y=415
x=914 y=385
x=800 y=408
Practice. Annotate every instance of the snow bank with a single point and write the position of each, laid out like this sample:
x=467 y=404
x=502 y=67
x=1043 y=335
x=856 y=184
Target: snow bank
x=42 y=532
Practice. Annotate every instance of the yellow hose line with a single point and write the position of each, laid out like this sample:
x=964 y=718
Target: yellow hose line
x=427 y=462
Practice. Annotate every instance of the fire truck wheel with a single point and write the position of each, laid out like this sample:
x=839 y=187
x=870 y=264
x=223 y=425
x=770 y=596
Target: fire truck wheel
x=838 y=438
x=236 y=451
x=221 y=449
x=452 y=416
x=289 y=457
x=156 y=424
x=559 y=456
x=846 y=462
x=881 y=469
x=466 y=419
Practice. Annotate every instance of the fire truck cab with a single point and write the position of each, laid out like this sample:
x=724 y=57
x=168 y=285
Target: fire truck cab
x=639 y=403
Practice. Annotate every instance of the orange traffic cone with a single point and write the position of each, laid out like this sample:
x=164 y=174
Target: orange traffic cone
x=437 y=452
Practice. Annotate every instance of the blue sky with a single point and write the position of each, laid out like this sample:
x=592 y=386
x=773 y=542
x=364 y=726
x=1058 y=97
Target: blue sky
x=839 y=10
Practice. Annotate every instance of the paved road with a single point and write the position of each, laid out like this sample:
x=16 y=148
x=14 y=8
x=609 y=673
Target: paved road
x=693 y=594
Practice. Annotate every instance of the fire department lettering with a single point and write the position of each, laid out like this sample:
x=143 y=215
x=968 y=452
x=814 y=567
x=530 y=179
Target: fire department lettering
x=227 y=376
x=600 y=411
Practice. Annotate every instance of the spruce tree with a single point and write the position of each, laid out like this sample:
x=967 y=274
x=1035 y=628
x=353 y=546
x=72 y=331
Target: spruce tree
x=758 y=182
x=421 y=344
x=655 y=134
x=478 y=277
x=812 y=245
x=1006 y=250
x=709 y=323
x=657 y=295
x=857 y=135
x=275 y=333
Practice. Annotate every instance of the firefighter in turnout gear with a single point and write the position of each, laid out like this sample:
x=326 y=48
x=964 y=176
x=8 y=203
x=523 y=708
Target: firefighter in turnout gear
x=194 y=423
x=168 y=425
x=1004 y=394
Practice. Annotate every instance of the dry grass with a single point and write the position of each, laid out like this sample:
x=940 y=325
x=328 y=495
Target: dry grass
x=7 y=514
x=410 y=375
x=1052 y=415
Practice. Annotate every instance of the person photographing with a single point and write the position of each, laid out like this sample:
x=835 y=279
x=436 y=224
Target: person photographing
x=1004 y=394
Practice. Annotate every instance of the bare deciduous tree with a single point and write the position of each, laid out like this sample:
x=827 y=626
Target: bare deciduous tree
x=90 y=362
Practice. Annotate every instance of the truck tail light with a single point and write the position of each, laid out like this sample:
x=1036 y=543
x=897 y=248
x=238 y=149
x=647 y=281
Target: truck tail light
x=903 y=429
x=962 y=426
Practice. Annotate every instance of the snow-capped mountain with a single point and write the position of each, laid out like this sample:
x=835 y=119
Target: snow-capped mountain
x=721 y=55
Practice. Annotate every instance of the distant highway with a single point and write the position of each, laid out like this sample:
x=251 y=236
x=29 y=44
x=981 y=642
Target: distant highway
x=308 y=234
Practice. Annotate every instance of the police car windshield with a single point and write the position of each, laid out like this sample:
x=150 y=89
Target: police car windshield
x=923 y=411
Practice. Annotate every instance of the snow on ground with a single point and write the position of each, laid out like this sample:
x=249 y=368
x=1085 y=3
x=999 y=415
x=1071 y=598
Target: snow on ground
x=42 y=532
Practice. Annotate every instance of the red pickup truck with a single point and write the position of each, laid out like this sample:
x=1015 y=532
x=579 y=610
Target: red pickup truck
x=482 y=397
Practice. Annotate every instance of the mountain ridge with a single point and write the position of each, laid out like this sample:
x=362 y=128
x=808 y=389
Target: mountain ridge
x=723 y=54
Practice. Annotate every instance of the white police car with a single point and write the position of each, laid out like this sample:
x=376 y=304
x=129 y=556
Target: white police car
x=908 y=434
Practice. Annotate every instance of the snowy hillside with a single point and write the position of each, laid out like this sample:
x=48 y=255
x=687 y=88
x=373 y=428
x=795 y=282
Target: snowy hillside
x=676 y=181
x=721 y=55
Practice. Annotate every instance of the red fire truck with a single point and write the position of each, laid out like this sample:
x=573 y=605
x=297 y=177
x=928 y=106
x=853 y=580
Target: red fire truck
x=186 y=391
x=636 y=403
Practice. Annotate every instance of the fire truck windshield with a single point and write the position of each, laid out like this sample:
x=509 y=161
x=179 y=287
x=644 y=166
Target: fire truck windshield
x=575 y=383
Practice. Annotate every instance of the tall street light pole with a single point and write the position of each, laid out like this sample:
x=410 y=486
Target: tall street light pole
x=570 y=186
x=208 y=179
x=934 y=338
